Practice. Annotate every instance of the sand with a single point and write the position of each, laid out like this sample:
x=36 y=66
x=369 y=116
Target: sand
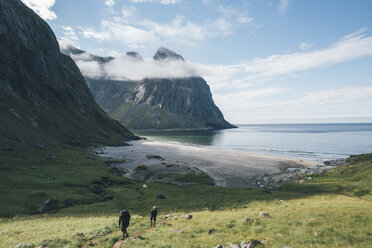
x=227 y=168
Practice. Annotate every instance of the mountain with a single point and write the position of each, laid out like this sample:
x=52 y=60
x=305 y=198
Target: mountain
x=153 y=102
x=164 y=53
x=44 y=99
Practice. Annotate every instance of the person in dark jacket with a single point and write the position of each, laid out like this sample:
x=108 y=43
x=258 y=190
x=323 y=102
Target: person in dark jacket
x=154 y=213
x=124 y=220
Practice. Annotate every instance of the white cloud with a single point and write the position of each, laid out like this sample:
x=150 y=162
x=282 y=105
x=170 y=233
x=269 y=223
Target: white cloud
x=335 y=95
x=42 y=8
x=348 y=48
x=283 y=6
x=140 y=33
x=110 y=3
x=305 y=45
x=157 y=1
x=91 y=33
x=69 y=33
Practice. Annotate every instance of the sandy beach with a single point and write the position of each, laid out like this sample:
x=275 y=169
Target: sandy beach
x=227 y=168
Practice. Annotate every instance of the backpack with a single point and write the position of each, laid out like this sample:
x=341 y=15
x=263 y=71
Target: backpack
x=125 y=215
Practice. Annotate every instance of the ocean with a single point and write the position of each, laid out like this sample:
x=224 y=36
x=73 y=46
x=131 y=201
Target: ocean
x=307 y=141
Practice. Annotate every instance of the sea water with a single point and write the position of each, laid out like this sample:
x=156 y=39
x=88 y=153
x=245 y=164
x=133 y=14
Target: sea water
x=311 y=141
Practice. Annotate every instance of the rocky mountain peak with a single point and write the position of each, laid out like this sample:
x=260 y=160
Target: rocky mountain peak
x=164 y=53
x=135 y=55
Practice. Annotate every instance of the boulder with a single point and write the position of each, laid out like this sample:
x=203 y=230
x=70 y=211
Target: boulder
x=48 y=205
x=161 y=197
x=264 y=214
x=154 y=157
x=186 y=216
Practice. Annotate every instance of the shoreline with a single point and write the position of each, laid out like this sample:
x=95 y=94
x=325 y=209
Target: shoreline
x=227 y=168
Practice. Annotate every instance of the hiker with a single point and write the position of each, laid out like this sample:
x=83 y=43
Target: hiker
x=124 y=222
x=154 y=212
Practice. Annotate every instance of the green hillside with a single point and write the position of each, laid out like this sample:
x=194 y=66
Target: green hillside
x=332 y=210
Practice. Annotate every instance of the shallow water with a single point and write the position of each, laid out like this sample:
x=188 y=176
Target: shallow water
x=312 y=141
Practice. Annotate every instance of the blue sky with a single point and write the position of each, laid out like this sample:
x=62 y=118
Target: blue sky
x=266 y=61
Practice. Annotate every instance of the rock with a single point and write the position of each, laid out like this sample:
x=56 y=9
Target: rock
x=145 y=186
x=218 y=246
x=176 y=230
x=251 y=220
x=264 y=214
x=250 y=244
x=48 y=205
x=70 y=201
x=300 y=181
x=211 y=231
x=154 y=157
x=186 y=216
x=309 y=178
x=167 y=216
x=161 y=197
x=96 y=189
x=24 y=245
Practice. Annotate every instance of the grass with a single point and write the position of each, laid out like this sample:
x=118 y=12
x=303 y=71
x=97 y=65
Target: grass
x=340 y=202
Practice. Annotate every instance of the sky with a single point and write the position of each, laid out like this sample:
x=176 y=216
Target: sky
x=266 y=61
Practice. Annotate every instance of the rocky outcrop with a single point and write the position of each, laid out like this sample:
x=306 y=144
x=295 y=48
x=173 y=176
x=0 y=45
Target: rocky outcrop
x=155 y=103
x=43 y=96
x=164 y=53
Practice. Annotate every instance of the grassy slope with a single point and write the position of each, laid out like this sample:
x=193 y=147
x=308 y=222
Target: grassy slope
x=340 y=201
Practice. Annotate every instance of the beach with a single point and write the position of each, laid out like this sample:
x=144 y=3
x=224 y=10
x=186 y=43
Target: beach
x=227 y=168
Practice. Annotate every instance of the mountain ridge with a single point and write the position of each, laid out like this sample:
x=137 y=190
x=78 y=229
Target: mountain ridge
x=159 y=103
x=44 y=98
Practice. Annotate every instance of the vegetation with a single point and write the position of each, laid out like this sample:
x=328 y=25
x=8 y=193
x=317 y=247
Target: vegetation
x=332 y=210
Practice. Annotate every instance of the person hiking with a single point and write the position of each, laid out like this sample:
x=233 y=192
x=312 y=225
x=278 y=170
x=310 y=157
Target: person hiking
x=154 y=212
x=124 y=220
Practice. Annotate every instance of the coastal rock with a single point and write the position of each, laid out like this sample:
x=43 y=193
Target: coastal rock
x=154 y=157
x=264 y=214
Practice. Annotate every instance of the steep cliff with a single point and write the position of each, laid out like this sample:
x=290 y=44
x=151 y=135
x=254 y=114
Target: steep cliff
x=154 y=103
x=43 y=96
